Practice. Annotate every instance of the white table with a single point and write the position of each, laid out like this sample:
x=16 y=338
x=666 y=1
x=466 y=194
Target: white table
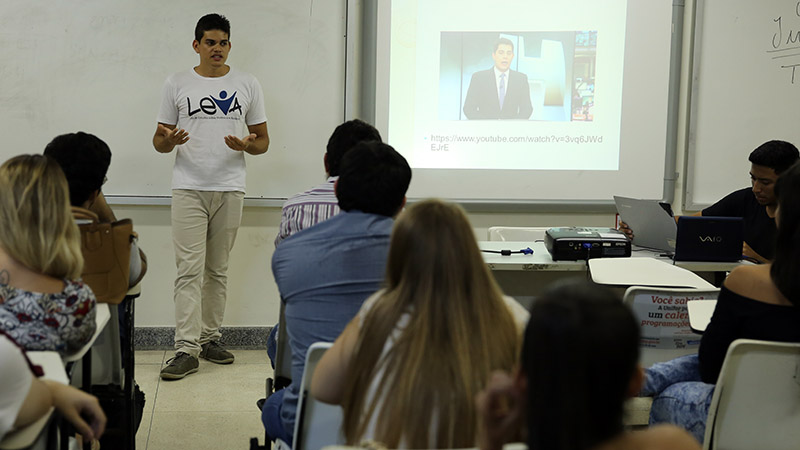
x=528 y=275
x=643 y=271
x=700 y=312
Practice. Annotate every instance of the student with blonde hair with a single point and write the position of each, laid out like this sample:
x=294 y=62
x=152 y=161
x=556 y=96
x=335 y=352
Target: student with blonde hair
x=407 y=368
x=43 y=305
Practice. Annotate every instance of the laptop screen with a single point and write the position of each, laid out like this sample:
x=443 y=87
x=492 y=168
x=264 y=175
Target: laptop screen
x=709 y=239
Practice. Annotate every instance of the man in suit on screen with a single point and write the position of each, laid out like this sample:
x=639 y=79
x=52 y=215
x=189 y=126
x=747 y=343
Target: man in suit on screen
x=499 y=92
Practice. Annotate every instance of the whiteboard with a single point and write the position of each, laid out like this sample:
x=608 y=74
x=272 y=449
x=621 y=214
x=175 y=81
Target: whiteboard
x=99 y=66
x=744 y=90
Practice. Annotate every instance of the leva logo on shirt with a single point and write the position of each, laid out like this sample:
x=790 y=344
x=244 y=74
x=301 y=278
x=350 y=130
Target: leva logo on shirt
x=209 y=105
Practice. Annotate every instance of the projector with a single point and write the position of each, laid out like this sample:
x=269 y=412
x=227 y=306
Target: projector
x=573 y=243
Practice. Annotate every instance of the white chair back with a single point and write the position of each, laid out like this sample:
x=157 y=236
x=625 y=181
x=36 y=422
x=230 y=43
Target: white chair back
x=664 y=320
x=521 y=234
x=317 y=424
x=756 y=402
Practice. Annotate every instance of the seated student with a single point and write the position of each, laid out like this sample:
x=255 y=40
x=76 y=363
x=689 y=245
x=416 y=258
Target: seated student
x=25 y=398
x=756 y=302
x=43 y=304
x=755 y=204
x=319 y=203
x=324 y=273
x=579 y=365
x=407 y=368
x=85 y=158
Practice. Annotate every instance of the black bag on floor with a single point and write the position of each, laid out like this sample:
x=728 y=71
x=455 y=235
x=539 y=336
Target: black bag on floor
x=112 y=400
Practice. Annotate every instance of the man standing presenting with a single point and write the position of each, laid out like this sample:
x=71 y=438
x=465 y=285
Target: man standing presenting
x=499 y=92
x=203 y=111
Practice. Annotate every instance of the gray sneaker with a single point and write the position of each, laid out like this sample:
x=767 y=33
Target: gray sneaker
x=179 y=366
x=216 y=353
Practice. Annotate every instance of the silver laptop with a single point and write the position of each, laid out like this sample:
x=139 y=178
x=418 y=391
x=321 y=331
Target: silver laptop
x=651 y=221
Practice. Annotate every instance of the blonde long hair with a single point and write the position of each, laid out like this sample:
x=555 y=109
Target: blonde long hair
x=36 y=224
x=459 y=331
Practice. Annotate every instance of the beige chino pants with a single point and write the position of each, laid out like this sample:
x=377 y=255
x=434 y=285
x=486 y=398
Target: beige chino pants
x=204 y=226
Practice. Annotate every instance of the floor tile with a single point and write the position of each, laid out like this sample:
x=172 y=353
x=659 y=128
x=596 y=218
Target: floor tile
x=149 y=356
x=232 y=387
x=147 y=377
x=250 y=356
x=204 y=430
x=144 y=431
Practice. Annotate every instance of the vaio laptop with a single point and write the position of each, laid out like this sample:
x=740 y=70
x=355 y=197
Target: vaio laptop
x=709 y=239
x=651 y=221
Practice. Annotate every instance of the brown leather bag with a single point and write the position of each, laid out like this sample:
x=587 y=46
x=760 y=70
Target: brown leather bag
x=106 y=249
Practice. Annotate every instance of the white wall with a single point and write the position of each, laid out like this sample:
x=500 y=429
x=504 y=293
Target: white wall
x=253 y=297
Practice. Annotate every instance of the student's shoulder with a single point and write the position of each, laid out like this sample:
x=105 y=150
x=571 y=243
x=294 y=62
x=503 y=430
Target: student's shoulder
x=754 y=282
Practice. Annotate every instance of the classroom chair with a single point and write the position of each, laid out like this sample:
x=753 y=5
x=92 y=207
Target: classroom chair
x=317 y=424
x=521 y=234
x=670 y=338
x=107 y=370
x=755 y=402
x=664 y=320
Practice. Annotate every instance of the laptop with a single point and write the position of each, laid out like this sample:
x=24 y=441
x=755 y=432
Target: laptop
x=651 y=221
x=709 y=238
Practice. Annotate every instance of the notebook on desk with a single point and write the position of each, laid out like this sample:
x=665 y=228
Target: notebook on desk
x=651 y=221
x=709 y=239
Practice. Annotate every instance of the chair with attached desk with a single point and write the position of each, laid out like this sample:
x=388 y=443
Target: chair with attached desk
x=107 y=370
x=665 y=332
x=755 y=402
x=664 y=320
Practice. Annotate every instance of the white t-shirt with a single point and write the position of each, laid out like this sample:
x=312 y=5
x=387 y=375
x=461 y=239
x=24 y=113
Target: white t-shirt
x=15 y=382
x=210 y=109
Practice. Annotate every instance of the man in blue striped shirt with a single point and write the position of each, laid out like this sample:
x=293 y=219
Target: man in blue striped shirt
x=319 y=203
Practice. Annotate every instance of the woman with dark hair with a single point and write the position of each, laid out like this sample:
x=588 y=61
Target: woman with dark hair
x=407 y=368
x=756 y=302
x=579 y=365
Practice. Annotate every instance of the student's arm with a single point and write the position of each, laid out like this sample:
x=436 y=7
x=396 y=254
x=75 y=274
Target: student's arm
x=500 y=408
x=103 y=211
x=168 y=136
x=82 y=410
x=256 y=143
x=329 y=379
x=752 y=255
x=73 y=404
x=36 y=403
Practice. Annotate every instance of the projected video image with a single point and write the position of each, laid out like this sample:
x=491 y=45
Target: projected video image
x=531 y=75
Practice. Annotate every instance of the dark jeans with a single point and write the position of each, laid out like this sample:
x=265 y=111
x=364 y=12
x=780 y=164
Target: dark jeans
x=271 y=417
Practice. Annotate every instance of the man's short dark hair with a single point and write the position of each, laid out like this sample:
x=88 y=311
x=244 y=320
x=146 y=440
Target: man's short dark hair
x=211 y=22
x=777 y=155
x=373 y=178
x=84 y=158
x=344 y=137
x=502 y=41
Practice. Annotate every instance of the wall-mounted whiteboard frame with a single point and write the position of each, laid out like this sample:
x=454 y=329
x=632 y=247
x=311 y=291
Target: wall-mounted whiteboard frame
x=742 y=91
x=99 y=66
